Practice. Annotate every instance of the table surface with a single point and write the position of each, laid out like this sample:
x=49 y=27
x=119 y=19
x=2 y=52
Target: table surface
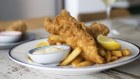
x=12 y=70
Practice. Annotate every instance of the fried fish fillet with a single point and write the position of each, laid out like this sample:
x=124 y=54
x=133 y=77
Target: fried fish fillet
x=96 y=29
x=75 y=35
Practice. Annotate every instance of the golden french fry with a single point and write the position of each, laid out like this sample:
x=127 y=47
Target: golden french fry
x=58 y=43
x=102 y=52
x=84 y=63
x=114 y=58
x=76 y=61
x=117 y=53
x=42 y=43
x=126 y=52
x=51 y=42
x=71 y=57
x=56 y=38
x=108 y=56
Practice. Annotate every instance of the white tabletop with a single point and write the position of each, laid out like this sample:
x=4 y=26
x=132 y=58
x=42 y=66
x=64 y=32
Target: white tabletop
x=12 y=70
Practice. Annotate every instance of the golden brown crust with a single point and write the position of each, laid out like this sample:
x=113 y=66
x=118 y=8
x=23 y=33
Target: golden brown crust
x=96 y=29
x=74 y=34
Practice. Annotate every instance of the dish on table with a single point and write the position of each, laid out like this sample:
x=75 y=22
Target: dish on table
x=10 y=36
x=49 y=54
x=90 y=45
x=14 y=34
x=19 y=54
x=86 y=44
x=26 y=37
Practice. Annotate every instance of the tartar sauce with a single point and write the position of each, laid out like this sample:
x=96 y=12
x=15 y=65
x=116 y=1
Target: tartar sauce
x=48 y=50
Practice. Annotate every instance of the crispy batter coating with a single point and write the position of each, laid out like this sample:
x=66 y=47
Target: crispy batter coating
x=74 y=33
x=96 y=29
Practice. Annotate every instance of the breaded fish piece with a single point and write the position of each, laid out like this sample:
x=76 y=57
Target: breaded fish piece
x=75 y=35
x=96 y=29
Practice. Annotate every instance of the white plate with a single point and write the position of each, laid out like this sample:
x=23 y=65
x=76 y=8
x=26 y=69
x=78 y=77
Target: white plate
x=25 y=38
x=19 y=55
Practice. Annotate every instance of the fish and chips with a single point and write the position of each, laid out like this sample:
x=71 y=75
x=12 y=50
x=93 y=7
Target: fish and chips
x=87 y=43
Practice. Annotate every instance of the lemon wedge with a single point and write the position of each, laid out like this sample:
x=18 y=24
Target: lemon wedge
x=42 y=43
x=108 y=43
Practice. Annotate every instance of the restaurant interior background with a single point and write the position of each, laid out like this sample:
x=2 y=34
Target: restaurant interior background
x=124 y=25
x=83 y=10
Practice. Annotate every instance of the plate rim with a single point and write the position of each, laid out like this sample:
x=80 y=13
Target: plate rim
x=72 y=69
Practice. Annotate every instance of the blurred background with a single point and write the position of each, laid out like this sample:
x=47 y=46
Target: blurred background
x=83 y=10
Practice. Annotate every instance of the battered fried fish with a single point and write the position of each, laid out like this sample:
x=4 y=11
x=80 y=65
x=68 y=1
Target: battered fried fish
x=74 y=33
x=96 y=29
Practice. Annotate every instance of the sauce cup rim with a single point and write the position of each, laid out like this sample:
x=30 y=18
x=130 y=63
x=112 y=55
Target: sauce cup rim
x=35 y=49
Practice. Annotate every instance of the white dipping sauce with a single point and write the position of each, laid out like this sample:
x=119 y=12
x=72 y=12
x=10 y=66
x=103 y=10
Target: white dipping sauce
x=48 y=50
